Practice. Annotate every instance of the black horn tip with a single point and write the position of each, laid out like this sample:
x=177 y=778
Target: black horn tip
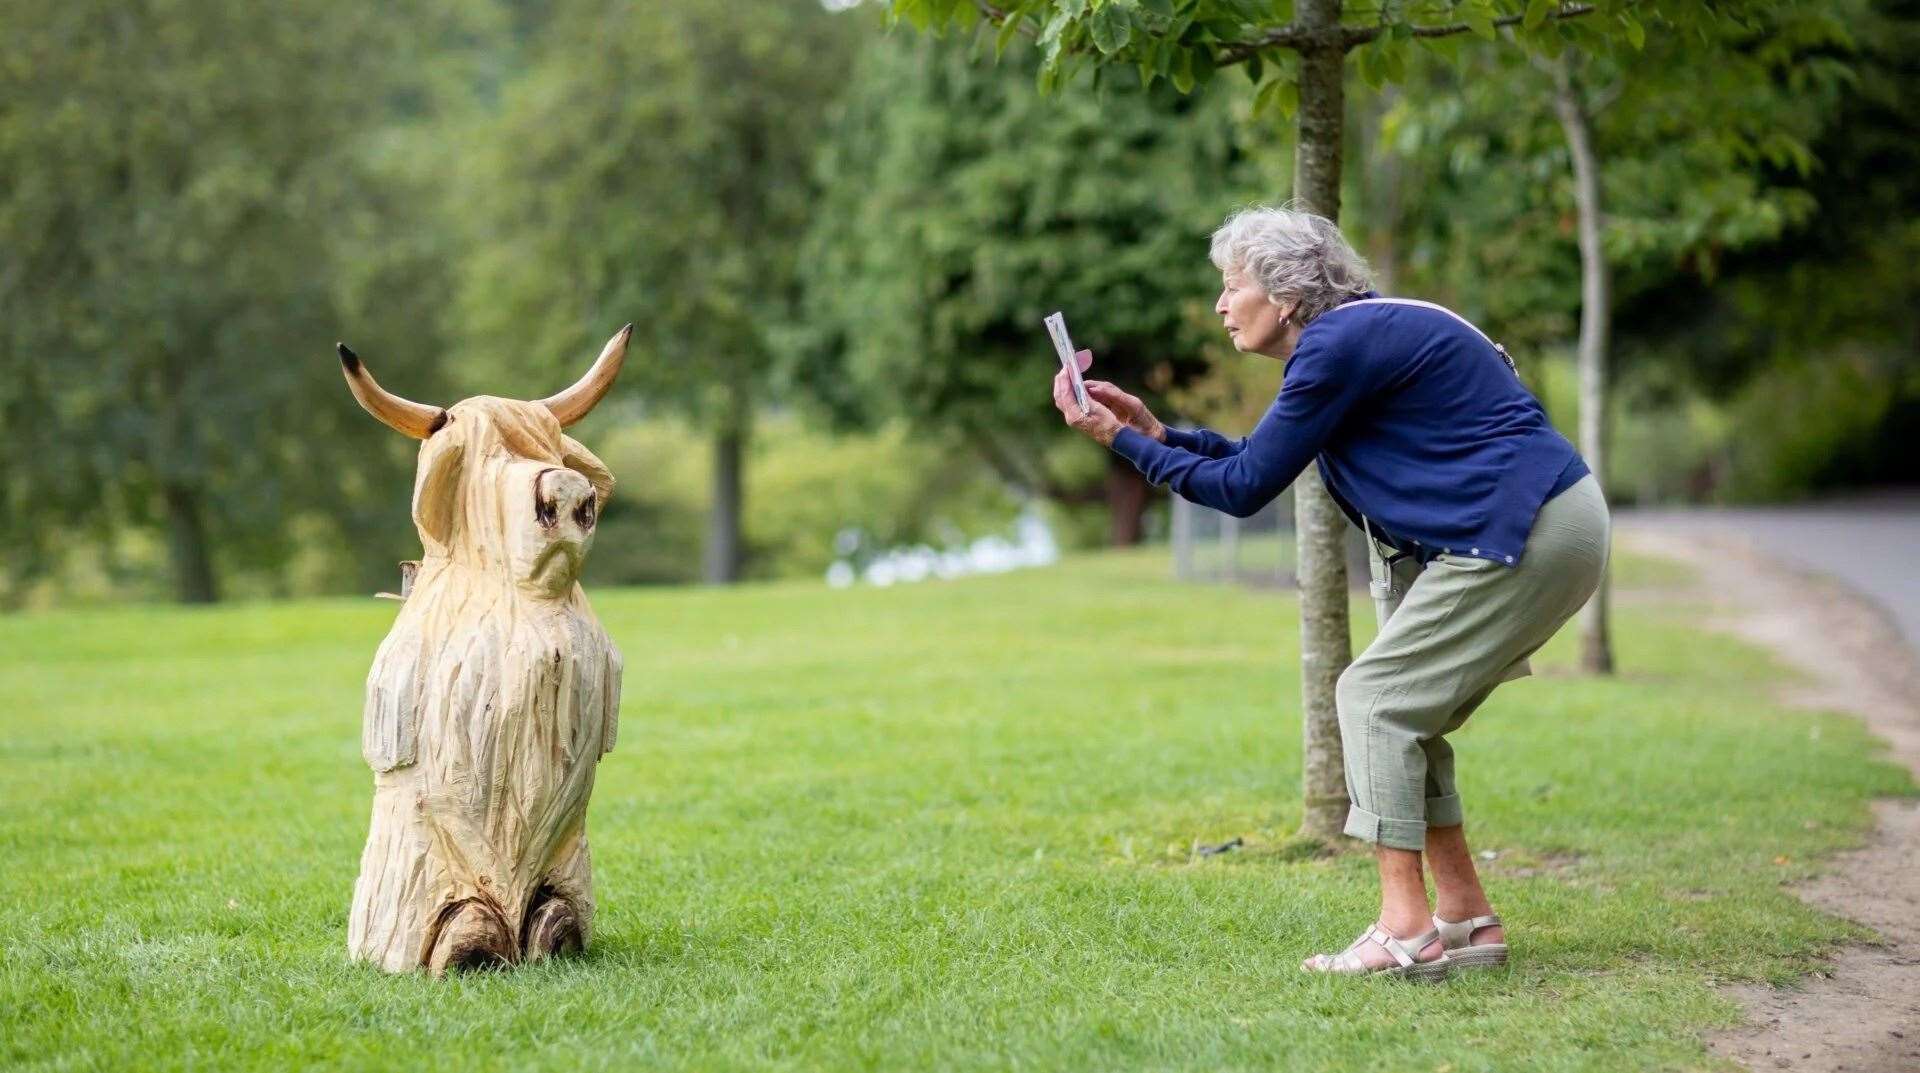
x=348 y=358
x=628 y=330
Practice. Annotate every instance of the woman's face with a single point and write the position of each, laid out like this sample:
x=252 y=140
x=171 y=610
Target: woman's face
x=1253 y=323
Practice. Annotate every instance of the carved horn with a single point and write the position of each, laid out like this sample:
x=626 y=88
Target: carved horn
x=579 y=400
x=401 y=415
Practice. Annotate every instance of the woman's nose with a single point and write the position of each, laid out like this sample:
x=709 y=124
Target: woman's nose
x=1220 y=304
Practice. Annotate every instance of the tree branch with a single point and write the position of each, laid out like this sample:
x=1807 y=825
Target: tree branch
x=1604 y=99
x=1346 y=38
x=998 y=16
x=1360 y=35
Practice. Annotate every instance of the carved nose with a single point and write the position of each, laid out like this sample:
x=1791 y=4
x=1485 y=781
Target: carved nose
x=562 y=493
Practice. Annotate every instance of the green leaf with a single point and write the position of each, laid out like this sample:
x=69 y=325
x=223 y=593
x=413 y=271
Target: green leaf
x=1447 y=48
x=1537 y=12
x=1368 y=61
x=1281 y=95
x=1110 y=28
x=1478 y=15
x=1162 y=8
x=1636 y=34
x=1254 y=67
x=1393 y=60
x=1203 y=67
x=1182 y=73
x=1008 y=31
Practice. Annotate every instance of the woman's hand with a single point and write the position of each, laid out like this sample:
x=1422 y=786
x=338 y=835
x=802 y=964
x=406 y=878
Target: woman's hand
x=1129 y=409
x=1098 y=423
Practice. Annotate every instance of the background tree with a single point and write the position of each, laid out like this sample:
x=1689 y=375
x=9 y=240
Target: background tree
x=653 y=164
x=1500 y=171
x=193 y=207
x=960 y=206
x=1801 y=349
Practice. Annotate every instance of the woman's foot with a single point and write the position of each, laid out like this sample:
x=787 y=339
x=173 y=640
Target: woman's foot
x=1378 y=951
x=1477 y=942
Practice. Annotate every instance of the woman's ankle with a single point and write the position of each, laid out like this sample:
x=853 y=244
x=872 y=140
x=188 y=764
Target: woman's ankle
x=1455 y=912
x=1405 y=926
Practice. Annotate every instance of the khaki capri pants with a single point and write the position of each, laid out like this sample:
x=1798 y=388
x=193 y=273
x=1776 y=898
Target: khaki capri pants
x=1463 y=626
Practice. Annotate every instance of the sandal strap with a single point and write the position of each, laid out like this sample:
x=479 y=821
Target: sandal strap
x=1458 y=933
x=1475 y=923
x=1405 y=951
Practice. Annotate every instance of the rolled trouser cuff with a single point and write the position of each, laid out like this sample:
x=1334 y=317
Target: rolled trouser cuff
x=1397 y=834
x=1445 y=811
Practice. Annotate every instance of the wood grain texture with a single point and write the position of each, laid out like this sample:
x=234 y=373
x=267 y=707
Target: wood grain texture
x=490 y=702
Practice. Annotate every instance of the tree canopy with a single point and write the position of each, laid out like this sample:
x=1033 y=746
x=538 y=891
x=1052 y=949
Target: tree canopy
x=960 y=206
x=653 y=164
x=194 y=202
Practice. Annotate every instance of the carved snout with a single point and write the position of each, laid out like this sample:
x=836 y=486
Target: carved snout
x=563 y=494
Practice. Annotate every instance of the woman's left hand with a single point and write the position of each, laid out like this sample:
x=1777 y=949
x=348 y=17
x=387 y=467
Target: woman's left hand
x=1098 y=423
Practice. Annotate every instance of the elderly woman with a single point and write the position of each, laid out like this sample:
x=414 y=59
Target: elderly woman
x=1494 y=534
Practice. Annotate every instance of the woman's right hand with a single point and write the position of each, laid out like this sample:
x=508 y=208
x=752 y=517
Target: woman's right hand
x=1129 y=409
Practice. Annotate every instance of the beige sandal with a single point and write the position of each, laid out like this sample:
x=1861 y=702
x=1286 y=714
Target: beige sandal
x=1406 y=958
x=1462 y=951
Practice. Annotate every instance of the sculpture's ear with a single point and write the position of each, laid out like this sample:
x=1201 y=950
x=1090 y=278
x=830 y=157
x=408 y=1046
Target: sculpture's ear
x=582 y=461
x=436 y=482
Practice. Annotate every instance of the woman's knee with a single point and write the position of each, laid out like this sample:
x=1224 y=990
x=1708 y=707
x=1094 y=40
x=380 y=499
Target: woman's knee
x=1360 y=697
x=1370 y=700
x=1356 y=694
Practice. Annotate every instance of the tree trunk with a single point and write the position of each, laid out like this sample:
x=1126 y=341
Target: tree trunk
x=193 y=579
x=1596 y=299
x=724 y=545
x=1326 y=642
x=1127 y=493
x=723 y=524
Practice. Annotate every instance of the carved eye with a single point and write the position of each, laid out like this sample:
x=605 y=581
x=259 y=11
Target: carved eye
x=545 y=510
x=583 y=513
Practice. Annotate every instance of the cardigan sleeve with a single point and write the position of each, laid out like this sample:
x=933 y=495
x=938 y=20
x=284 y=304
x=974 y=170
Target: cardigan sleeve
x=1324 y=382
x=1204 y=442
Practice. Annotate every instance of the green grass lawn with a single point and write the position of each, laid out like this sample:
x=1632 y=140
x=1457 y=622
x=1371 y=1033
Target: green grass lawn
x=938 y=826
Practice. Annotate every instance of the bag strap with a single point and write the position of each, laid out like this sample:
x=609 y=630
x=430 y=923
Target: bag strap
x=1501 y=350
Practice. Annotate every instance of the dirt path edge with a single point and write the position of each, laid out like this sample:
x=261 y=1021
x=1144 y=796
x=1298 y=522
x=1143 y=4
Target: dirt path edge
x=1862 y=1014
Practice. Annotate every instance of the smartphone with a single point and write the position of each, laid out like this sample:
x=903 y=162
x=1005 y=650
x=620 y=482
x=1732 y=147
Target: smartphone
x=1063 y=346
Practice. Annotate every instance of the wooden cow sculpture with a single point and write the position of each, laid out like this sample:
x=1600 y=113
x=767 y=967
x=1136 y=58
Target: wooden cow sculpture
x=494 y=696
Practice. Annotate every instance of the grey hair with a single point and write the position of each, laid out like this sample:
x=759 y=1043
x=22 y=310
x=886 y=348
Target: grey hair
x=1293 y=256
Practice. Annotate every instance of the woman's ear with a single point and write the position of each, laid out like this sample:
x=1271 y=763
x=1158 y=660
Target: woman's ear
x=582 y=461
x=436 y=482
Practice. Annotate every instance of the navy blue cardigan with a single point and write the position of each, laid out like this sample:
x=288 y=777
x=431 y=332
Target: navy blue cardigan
x=1419 y=423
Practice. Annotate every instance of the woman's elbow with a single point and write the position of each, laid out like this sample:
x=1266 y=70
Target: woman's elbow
x=1244 y=506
